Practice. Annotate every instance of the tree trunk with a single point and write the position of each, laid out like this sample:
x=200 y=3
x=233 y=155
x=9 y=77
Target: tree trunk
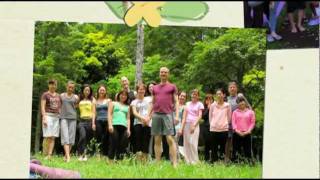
x=139 y=53
x=139 y=47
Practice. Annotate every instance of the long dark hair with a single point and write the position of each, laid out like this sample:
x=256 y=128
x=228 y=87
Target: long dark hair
x=102 y=86
x=90 y=94
x=148 y=93
x=223 y=92
x=180 y=92
x=208 y=95
x=123 y=92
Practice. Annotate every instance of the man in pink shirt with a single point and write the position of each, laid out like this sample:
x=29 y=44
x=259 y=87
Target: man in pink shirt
x=165 y=109
x=243 y=122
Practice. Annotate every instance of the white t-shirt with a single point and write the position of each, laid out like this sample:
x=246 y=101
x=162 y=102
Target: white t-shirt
x=142 y=108
x=148 y=99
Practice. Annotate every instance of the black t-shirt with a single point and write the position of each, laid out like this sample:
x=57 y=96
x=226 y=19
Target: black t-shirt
x=131 y=97
x=205 y=116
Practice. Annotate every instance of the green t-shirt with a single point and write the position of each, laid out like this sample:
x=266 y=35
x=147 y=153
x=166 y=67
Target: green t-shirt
x=120 y=114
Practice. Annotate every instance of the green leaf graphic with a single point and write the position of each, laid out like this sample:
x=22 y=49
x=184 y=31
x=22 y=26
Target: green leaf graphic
x=182 y=11
x=172 y=10
x=117 y=8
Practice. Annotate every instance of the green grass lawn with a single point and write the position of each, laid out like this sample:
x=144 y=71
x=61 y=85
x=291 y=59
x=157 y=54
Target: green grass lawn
x=97 y=167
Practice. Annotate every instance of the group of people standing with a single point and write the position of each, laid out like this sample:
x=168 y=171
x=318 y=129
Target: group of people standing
x=138 y=121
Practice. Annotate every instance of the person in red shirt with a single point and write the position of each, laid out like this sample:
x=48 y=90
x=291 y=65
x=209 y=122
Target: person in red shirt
x=165 y=114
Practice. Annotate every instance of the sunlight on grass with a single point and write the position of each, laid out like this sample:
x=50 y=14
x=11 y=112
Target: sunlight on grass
x=97 y=167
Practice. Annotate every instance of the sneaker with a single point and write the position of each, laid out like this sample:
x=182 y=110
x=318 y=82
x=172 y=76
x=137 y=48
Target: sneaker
x=276 y=37
x=314 y=21
x=270 y=38
x=85 y=158
x=80 y=158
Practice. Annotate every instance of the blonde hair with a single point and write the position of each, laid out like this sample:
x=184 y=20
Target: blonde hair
x=167 y=69
x=195 y=91
x=124 y=78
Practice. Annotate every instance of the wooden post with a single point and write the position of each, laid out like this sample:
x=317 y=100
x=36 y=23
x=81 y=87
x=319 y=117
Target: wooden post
x=139 y=53
x=139 y=47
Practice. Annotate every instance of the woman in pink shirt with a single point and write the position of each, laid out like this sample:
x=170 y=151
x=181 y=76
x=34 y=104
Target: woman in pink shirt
x=190 y=127
x=243 y=122
x=219 y=119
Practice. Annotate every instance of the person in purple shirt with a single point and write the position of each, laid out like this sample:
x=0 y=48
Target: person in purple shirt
x=165 y=108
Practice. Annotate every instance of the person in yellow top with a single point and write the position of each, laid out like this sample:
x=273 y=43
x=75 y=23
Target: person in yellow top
x=87 y=123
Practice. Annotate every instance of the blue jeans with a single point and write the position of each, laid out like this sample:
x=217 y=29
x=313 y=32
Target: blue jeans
x=273 y=18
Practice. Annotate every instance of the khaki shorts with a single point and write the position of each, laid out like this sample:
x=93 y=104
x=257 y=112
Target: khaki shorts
x=162 y=124
x=53 y=127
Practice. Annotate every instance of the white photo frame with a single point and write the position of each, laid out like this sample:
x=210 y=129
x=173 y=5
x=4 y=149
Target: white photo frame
x=17 y=20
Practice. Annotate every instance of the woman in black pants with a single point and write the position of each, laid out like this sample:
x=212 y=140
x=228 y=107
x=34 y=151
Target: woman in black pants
x=205 y=126
x=118 y=126
x=243 y=122
x=101 y=118
x=219 y=119
x=142 y=124
x=86 y=125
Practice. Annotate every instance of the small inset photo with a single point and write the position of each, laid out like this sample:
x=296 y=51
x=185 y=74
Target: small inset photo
x=290 y=24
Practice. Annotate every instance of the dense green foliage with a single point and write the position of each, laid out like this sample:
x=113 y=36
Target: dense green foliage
x=204 y=58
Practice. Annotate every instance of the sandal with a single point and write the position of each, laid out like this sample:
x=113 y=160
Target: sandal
x=276 y=37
